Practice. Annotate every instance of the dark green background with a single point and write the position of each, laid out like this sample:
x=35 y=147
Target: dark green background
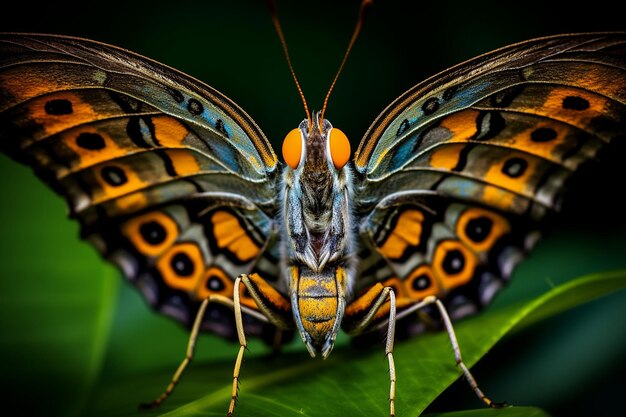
x=54 y=289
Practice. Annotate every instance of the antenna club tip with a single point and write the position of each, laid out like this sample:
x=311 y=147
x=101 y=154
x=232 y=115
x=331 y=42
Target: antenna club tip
x=365 y=5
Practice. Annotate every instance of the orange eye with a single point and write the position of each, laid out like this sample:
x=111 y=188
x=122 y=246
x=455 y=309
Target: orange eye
x=339 y=148
x=292 y=148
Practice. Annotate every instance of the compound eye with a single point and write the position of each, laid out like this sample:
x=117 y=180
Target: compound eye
x=339 y=146
x=292 y=148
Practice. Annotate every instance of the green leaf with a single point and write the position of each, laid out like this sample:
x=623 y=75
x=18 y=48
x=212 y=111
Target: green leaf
x=350 y=382
x=489 y=412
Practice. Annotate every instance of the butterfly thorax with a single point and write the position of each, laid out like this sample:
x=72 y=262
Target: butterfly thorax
x=316 y=184
x=317 y=244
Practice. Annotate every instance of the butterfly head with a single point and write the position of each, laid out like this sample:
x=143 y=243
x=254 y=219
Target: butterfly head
x=316 y=147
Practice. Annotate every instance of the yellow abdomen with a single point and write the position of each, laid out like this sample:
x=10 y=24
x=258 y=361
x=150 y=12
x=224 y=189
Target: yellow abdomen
x=320 y=303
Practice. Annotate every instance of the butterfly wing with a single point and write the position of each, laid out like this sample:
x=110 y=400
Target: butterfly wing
x=456 y=175
x=169 y=179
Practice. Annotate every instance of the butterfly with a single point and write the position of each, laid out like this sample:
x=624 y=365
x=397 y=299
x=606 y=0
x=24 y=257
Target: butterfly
x=175 y=184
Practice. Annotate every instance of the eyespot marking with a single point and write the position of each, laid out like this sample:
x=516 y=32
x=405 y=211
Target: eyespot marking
x=430 y=106
x=90 y=141
x=58 y=107
x=575 y=103
x=404 y=126
x=114 y=176
x=454 y=262
x=543 y=134
x=195 y=107
x=514 y=167
x=182 y=265
x=152 y=232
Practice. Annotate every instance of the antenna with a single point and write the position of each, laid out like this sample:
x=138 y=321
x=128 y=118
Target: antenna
x=364 y=5
x=272 y=6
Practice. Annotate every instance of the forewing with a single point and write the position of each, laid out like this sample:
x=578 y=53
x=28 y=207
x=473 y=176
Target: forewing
x=169 y=179
x=456 y=176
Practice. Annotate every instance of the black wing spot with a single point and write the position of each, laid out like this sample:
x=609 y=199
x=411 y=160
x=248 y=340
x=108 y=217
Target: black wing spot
x=575 y=103
x=454 y=262
x=514 y=167
x=153 y=232
x=404 y=126
x=114 y=176
x=543 y=134
x=215 y=284
x=182 y=265
x=479 y=228
x=421 y=283
x=136 y=128
x=58 y=107
x=505 y=97
x=194 y=106
x=176 y=95
x=127 y=104
x=488 y=125
x=167 y=162
x=90 y=141
x=461 y=163
x=430 y=106
x=450 y=92
x=219 y=125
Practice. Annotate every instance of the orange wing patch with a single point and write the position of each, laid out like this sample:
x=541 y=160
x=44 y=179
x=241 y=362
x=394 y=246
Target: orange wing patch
x=571 y=105
x=479 y=229
x=116 y=180
x=60 y=111
x=402 y=298
x=512 y=172
x=462 y=125
x=586 y=75
x=229 y=234
x=137 y=173
x=541 y=140
x=182 y=266
x=132 y=202
x=453 y=264
x=25 y=83
x=214 y=281
x=361 y=306
x=91 y=146
x=66 y=109
x=151 y=233
x=446 y=157
x=268 y=295
x=171 y=132
x=362 y=303
x=183 y=161
x=406 y=233
x=422 y=283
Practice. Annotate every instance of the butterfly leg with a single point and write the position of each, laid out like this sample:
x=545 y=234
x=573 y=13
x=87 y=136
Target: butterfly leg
x=455 y=345
x=359 y=316
x=273 y=305
x=192 y=345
